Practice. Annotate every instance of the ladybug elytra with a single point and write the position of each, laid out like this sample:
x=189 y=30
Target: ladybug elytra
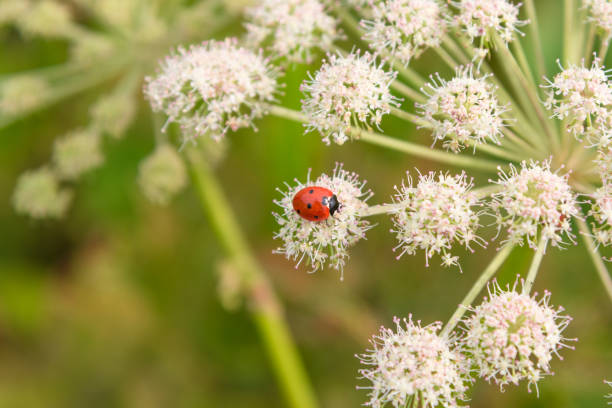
x=315 y=203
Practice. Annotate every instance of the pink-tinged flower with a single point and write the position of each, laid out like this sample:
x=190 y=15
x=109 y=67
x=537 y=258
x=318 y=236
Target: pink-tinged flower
x=534 y=202
x=483 y=19
x=436 y=214
x=512 y=337
x=292 y=28
x=411 y=364
x=601 y=211
x=347 y=91
x=463 y=112
x=604 y=163
x=583 y=97
x=405 y=28
x=324 y=242
x=600 y=14
x=212 y=88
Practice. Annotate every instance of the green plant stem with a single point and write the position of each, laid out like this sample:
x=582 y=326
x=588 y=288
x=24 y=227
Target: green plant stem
x=568 y=22
x=485 y=277
x=523 y=62
x=408 y=92
x=535 y=36
x=409 y=117
x=264 y=305
x=446 y=57
x=588 y=48
x=598 y=262
x=535 y=265
x=603 y=50
x=399 y=145
x=519 y=80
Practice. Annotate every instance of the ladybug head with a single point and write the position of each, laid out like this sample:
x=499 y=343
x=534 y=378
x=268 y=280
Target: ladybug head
x=333 y=204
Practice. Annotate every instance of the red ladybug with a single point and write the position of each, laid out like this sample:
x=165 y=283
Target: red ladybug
x=315 y=203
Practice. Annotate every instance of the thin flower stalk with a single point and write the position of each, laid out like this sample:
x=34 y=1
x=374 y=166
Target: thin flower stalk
x=535 y=265
x=266 y=307
x=598 y=263
x=480 y=283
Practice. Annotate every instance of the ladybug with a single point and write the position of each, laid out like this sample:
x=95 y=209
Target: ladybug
x=315 y=203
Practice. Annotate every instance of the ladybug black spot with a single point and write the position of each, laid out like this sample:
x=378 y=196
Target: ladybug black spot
x=316 y=217
x=298 y=211
x=311 y=191
x=309 y=206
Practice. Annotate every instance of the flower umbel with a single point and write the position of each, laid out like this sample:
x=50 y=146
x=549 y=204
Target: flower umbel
x=211 y=88
x=293 y=28
x=347 y=91
x=532 y=201
x=583 y=97
x=405 y=27
x=39 y=195
x=600 y=13
x=435 y=214
x=601 y=211
x=324 y=242
x=412 y=364
x=484 y=19
x=464 y=112
x=162 y=175
x=512 y=337
x=77 y=153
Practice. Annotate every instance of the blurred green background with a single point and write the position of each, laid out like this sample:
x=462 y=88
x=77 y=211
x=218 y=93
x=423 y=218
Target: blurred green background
x=118 y=305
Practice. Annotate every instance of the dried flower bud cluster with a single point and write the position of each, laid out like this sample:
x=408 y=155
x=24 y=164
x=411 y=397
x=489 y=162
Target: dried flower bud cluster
x=600 y=13
x=38 y=194
x=413 y=363
x=293 y=28
x=347 y=91
x=46 y=18
x=512 y=337
x=534 y=202
x=583 y=97
x=11 y=10
x=324 y=242
x=464 y=112
x=21 y=94
x=601 y=211
x=435 y=215
x=405 y=28
x=77 y=153
x=113 y=113
x=211 y=88
x=162 y=175
x=484 y=19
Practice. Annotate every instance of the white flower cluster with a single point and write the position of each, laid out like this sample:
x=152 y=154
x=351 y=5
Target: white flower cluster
x=347 y=91
x=583 y=97
x=406 y=28
x=464 y=112
x=609 y=396
x=436 y=214
x=211 y=88
x=293 y=28
x=512 y=337
x=601 y=211
x=327 y=241
x=600 y=13
x=534 y=201
x=604 y=163
x=412 y=364
x=484 y=19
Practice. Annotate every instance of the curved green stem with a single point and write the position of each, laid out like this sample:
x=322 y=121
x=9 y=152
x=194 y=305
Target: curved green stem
x=264 y=305
x=397 y=144
x=602 y=271
x=535 y=266
x=535 y=36
x=485 y=277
